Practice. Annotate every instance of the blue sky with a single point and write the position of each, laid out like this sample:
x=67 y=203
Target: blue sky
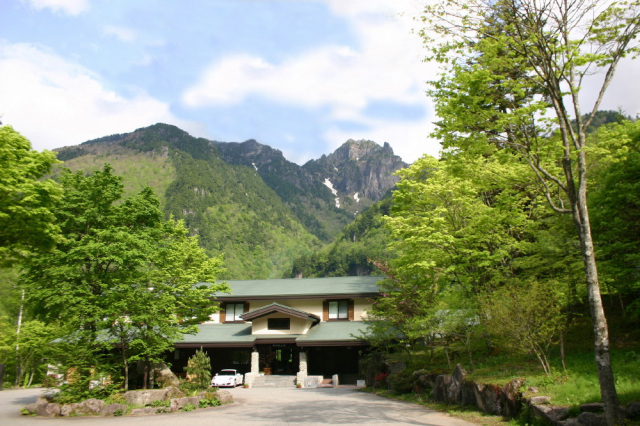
x=302 y=76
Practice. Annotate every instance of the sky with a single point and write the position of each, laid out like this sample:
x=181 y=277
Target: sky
x=302 y=76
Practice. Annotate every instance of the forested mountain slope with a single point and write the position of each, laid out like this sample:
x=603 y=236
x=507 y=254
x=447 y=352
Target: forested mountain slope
x=243 y=199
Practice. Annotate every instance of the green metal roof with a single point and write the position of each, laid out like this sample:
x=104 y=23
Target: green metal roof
x=239 y=335
x=231 y=334
x=329 y=332
x=303 y=287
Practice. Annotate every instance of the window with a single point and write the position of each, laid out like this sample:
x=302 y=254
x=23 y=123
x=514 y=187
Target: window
x=338 y=309
x=233 y=311
x=278 y=323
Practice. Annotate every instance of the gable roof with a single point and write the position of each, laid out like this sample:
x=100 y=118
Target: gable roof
x=296 y=288
x=276 y=307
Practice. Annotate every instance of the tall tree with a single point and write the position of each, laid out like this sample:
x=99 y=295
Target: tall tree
x=120 y=274
x=26 y=201
x=554 y=46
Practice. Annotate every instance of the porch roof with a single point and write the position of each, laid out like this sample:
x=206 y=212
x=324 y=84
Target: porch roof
x=330 y=333
x=334 y=333
x=276 y=307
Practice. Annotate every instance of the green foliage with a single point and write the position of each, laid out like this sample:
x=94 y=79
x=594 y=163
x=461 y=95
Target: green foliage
x=188 y=407
x=78 y=390
x=209 y=402
x=120 y=275
x=402 y=381
x=199 y=369
x=27 y=203
x=355 y=251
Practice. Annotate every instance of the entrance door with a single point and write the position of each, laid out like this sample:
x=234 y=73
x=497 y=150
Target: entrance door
x=279 y=358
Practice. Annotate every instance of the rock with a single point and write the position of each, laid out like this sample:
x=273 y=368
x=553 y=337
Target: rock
x=179 y=403
x=225 y=396
x=593 y=407
x=533 y=389
x=173 y=392
x=112 y=409
x=440 y=388
x=30 y=408
x=511 y=398
x=455 y=385
x=164 y=376
x=591 y=419
x=488 y=398
x=89 y=407
x=145 y=397
x=633 y=410
x=549 y=414
x=144 y=411
x=467 y=394
x=68 y=409
x=45 y=408
x=539 y=400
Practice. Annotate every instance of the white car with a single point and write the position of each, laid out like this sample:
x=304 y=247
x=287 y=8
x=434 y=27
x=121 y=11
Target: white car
x=227 y=378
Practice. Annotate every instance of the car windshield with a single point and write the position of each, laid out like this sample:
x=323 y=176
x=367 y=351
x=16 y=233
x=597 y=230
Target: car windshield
x=227 y=373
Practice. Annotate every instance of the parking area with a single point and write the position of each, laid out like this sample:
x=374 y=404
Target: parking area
x=258 y=406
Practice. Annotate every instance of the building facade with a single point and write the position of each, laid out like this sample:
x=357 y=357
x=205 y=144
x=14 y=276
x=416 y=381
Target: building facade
x=303 y=327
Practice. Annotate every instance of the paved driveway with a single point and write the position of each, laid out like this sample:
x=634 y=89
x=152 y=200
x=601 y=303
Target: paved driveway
x=256 y=406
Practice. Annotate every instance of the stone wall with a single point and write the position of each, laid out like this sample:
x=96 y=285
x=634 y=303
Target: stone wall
x=507 y=400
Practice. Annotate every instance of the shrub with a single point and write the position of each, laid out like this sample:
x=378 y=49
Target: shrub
x=209 y=402
x=188 y=407
x=402 y=381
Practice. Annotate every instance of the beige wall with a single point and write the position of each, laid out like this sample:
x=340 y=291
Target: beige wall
x=313 y=306
x=298 y=325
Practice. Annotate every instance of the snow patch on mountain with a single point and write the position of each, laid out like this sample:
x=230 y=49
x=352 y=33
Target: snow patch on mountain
x=334 y=191
x=254 y=166
x=355 y=197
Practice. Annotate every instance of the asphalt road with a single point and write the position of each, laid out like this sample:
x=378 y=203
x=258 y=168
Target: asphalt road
x=255 y=406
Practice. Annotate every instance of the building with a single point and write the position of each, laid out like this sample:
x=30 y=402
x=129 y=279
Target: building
x=303 y=327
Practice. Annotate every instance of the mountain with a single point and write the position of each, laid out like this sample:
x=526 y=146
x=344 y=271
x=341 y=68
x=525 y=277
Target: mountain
x=324 y=194
x=245 y=199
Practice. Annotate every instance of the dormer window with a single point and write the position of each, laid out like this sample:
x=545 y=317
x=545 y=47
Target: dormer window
x=230 y=312
x=338 y=310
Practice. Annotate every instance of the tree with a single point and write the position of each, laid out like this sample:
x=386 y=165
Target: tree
x=486 y=107
x=120 y=276
x=199 y=369
x=26 y=201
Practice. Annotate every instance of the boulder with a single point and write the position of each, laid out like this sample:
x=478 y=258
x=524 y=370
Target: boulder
x=593 y=407
x=225 y=396
x=539 y=400
x=45 y=408
x=145 y=397
x=591 y=419
x=112 y=409
x=440 y=388
x=467 y=394
x=179 y=403
x=549 y=414
x=164 y=376
x=454 y=389
x=395 y=367
x=173 y=392
x=633 y=410
x=511 y=398
x=145 y=411
x=487 y=398
x=89 y=407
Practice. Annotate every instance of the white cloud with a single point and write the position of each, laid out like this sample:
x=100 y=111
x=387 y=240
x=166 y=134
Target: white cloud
x=386 y=66
x=69 y=7
x=56 y=103
x=123 y=34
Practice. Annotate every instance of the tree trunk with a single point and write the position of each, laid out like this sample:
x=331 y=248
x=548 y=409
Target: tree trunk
x=145 y=376
x=562 y=355
x=599 y=322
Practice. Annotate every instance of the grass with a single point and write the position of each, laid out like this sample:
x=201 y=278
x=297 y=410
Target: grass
x=576 y=385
